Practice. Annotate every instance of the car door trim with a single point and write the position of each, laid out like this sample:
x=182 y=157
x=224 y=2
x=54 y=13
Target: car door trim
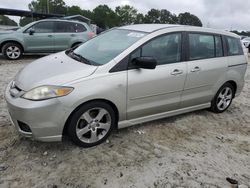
x=128 y=123
x=237 y=65
x=154 y=95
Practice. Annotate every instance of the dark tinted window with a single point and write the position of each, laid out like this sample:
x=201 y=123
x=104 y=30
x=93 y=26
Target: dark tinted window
x=201 y=46
x=218 y=46
x=165 y=49
x=64 y=27
x=68 y=27
x=80 y=28
x=234 y=46
x=43 y=27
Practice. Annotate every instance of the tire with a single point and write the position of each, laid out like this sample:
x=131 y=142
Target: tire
x=223 y=98
x=12 y=51
x=91 y=124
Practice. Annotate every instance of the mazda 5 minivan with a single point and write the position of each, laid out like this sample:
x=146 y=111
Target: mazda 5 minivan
x=44 y=36
x=126 y=76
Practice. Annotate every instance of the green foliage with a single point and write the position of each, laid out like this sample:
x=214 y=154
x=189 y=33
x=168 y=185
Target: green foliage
x=4 y=20
x=189 y=19
x=48 y=6
x=25 y=20
x=139 y=18
x=105 y=17
x=126 y=14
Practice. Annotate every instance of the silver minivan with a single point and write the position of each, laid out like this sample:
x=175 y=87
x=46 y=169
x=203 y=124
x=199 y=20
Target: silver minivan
x=125 y=76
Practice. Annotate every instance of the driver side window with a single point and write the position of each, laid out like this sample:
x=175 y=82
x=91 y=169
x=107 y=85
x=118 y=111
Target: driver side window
x=42 y=27
x=165 y=49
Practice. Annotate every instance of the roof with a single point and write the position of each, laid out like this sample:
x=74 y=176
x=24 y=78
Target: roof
x=149 y=28
x=78 y=18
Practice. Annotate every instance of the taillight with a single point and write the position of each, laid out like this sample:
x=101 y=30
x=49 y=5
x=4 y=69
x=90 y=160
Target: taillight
x=91 y=35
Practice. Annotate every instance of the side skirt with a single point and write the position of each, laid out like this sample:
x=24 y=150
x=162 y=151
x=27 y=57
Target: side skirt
x=128 y=123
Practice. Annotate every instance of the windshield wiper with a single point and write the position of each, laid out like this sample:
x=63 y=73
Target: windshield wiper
x=79 y=57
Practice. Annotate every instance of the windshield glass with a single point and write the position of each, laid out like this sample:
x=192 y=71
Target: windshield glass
x=108 y=45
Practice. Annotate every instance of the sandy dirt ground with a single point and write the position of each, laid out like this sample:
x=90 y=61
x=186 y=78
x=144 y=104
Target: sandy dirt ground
x=198 y=149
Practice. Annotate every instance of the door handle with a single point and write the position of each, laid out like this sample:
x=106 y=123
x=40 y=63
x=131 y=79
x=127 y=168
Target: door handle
x=72 y=35
x=196 y=69
x=176 y=72
x=50 y=36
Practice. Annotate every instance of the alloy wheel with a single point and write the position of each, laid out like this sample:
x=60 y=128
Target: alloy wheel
x=224 y=98
x=93 y=125
x=13 y=52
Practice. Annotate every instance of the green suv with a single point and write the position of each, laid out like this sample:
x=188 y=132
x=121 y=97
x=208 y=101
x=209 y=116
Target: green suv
x=44 y=36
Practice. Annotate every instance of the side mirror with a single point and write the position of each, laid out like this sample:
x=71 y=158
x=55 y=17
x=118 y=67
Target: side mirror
x=145 y=62
x=31 y=31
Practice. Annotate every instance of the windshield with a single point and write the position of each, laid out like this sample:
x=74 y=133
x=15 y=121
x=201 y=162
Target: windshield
x=108 y=45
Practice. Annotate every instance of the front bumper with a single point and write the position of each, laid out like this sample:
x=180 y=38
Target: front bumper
x=45 y=119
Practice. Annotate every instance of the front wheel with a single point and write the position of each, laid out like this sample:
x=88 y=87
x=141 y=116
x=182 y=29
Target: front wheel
x=91 y=124
x=223 y=98
x=12 y=51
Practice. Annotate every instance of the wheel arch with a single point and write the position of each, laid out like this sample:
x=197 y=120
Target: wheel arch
x=114 y=107
x=234 y=84
x=11 y=41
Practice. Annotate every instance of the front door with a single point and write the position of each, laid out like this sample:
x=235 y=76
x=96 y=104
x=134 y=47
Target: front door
x=157 y=90
x=42 y=40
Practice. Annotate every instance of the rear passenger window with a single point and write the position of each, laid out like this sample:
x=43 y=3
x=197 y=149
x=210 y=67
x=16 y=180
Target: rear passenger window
x=69 y=27
x=234 y=46
x=64 y=27
x=165 y=49
x=201 y=46
x=218 y=46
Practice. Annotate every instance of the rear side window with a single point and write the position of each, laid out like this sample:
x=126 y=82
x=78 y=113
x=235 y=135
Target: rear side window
x=80 y=28
x=64 y=27
x=69 y=27
x=234 y=46
x=201 y=46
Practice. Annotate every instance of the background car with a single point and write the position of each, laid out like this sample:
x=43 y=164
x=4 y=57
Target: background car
x=44 y=36
x=246 y=42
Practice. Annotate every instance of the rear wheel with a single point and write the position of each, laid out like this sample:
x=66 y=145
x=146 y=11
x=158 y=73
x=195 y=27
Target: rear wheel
x=91 y=124
x=12 y=51
x=223 y=98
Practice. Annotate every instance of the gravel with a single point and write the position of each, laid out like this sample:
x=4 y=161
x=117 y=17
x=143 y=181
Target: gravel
x=198 y=149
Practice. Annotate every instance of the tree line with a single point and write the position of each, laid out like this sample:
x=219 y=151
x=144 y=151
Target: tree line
x=104 y=17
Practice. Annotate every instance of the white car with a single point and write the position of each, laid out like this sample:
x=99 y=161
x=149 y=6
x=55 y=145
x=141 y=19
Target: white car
x=126 y=76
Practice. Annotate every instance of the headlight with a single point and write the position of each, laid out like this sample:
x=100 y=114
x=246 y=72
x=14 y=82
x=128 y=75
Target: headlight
x=47 y=92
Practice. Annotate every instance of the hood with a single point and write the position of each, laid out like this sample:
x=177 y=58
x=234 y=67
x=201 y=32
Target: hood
x=56 y=69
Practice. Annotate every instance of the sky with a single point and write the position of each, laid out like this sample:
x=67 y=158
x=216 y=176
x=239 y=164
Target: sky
x=219 y=14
